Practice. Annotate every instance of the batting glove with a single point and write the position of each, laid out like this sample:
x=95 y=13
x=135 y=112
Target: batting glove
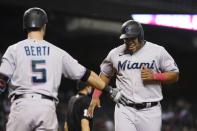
x=116 y=95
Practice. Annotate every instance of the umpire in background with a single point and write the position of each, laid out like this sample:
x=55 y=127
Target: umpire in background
x=77 y=118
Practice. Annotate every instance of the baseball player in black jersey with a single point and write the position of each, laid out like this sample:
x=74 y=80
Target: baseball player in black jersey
x=77 y=117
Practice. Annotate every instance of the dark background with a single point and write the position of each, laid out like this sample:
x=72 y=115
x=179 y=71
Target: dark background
x=90 y=46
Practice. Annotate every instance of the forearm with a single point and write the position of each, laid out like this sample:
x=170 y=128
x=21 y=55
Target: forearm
x=85 y=125
x=95 y=81
x=65 y=126
x=97 y=93
x=167 y=77
x=85 y=128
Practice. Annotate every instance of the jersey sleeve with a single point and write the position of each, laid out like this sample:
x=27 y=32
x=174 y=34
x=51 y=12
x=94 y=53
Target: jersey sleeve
x=84 y=109
x=167 y=63
x=8 y=63
x=71 y=68
x=107 y=66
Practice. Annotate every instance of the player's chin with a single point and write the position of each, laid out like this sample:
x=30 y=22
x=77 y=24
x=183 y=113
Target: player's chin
x=131 y=49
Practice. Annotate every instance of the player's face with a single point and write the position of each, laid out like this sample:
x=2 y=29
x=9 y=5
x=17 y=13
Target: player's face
x=132 y=44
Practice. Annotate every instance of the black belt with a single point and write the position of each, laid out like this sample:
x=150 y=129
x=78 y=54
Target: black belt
x=15 y=97
x=140 y=106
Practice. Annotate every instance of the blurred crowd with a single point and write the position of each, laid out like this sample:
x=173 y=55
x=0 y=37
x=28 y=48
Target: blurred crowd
x=178 y=115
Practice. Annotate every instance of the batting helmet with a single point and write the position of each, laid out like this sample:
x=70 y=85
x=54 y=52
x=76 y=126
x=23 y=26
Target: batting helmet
x=132 y=29
x=34 y=18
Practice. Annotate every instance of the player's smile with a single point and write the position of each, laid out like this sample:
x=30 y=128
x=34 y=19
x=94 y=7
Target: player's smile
x=132 y=44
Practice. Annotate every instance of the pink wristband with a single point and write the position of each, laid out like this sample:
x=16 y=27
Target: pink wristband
x=96 y=93
x=159 y=76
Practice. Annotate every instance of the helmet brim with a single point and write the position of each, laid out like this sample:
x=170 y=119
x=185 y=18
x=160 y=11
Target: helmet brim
x=124 y=36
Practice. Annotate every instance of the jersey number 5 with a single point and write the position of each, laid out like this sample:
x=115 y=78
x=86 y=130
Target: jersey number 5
x=41 y=71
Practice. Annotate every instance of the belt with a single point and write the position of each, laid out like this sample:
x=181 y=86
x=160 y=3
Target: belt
x=33 y=96
x=143 y=105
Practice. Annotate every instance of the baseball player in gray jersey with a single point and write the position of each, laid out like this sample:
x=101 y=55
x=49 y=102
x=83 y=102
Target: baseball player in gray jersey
x=140 y=68
x=32 y=68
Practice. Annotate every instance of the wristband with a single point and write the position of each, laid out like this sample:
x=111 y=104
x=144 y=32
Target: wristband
x=159 y=76
x=96 y=93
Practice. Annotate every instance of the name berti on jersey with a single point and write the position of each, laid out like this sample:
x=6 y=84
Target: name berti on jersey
x=37 y=50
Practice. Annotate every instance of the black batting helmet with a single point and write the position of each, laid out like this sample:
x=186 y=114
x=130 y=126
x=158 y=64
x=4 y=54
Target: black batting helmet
x=132 y=29
x=34 y=18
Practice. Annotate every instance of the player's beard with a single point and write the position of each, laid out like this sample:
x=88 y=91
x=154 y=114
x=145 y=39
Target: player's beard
x=132 y=47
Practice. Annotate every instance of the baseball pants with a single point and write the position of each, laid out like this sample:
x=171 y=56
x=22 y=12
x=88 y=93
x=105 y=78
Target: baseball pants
x=131 y=119
x=29 y=114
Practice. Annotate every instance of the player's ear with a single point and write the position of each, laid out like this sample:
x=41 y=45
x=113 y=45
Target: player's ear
x=44 y=29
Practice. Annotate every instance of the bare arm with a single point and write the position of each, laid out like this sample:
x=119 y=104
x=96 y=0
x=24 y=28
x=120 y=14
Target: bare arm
x=65 y=126
x=166 y=77
x=170 y=77
x=95 y=102
x=85 y=125
x=106 y=79
x=95 y=81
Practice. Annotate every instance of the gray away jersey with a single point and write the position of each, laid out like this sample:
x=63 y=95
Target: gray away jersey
x=128 y=70
x=36 y=66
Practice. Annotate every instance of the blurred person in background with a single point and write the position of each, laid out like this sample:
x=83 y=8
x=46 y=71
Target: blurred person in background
x=103 y=123
x=77 y=116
